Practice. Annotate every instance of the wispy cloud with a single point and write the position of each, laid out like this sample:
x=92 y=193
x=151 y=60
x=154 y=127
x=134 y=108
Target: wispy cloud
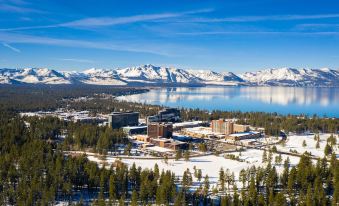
x=108 y=21
x=206 y=33
x=259 y=18
x=11 y=47
x=317 y=26
x=17 y=6
x=76 y=60
x=111 y=21
x=138 y=47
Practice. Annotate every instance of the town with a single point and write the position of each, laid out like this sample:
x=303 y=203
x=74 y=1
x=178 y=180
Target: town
x=96 y=149
x=164 y=134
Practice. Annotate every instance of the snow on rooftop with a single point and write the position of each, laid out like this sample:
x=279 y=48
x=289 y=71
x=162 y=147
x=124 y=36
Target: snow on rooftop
x=159 y=149
x=242 y=134
x=181 y=124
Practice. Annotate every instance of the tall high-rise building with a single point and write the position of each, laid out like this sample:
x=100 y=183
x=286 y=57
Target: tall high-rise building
x=165 y=115
x=223 y=127
x=159 y=130
x=122 y=119
x=227 y=127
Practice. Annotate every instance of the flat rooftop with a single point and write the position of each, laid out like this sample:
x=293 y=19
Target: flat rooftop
x=130 y=112
x=135 y=127
x=243 y=134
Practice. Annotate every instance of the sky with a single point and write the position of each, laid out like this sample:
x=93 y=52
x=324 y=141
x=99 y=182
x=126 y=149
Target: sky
x=230 y=35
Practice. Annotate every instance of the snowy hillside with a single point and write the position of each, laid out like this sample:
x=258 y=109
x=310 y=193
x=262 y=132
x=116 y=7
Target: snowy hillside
x=154 y=75
x=293 y=77
x=32 y=76
x=215 y=78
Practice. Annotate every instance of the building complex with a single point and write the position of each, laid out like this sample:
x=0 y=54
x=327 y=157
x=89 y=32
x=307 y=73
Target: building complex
x=121 y=119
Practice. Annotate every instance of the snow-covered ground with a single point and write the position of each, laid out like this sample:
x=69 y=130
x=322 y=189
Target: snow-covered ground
x=295 y=142
x=209 y=164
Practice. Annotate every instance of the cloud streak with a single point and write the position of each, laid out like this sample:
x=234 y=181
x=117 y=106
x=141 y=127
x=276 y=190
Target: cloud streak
x=111 y=21
x=206 y=33
x=162 y=50
x=17 y=6
x=11 y=48
x=108 y=21
x=259 y=18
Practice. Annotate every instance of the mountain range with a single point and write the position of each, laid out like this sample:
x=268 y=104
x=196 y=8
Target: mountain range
x=155 y=75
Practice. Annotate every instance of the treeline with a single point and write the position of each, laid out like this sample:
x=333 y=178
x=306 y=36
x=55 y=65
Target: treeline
x=35 y=171
x=272 y=122
x=75 y=136
x=18 y=98
x=304 y=184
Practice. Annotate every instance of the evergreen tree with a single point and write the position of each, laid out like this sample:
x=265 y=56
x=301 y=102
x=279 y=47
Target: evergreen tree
x=206 y=184
x=317 y=145
x=328 y=150
x=178 y=154
x=264 y=157
x=199 y=175
x=187 y=155
x=134 y=198
x=222 y=179
x=304 y=144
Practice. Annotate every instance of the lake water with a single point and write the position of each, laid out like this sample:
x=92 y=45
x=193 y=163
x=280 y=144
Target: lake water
x=283 y=100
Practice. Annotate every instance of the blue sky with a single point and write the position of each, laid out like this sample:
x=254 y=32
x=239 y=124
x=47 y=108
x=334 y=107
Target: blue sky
x=235 y=35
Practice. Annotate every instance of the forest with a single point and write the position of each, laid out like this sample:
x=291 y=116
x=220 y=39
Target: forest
x=36 y=170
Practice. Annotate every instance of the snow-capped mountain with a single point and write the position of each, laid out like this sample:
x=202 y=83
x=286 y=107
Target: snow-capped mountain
x=32 y=76
x=154 y=75
x=293 y=77
x=99 y=77
x=215 y=78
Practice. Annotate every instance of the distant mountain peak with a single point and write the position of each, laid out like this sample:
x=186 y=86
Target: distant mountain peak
x=293 y=77
x=149 y=74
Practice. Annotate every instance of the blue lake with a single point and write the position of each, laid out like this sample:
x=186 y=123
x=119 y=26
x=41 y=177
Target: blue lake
x=283 y=100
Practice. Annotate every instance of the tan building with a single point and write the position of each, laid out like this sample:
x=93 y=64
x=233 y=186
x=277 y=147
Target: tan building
x=228 y=127
x=159 y=130
x=240 y=128
x=161 y=142
x=142 y=138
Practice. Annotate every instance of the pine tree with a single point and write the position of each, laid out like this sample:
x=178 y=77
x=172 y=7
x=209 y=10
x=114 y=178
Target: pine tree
x=328 y=150
x=112 y=188
x=309 y=196
x=122 y=201
x=304 y=143
x=253 y=192
x=317 y=145
x=280 y=200
x=134 y=198
x=206 y=184
x=180 y=199
x=264 y=157
x=187 y=155
x=199 y=175
x=222 y=179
